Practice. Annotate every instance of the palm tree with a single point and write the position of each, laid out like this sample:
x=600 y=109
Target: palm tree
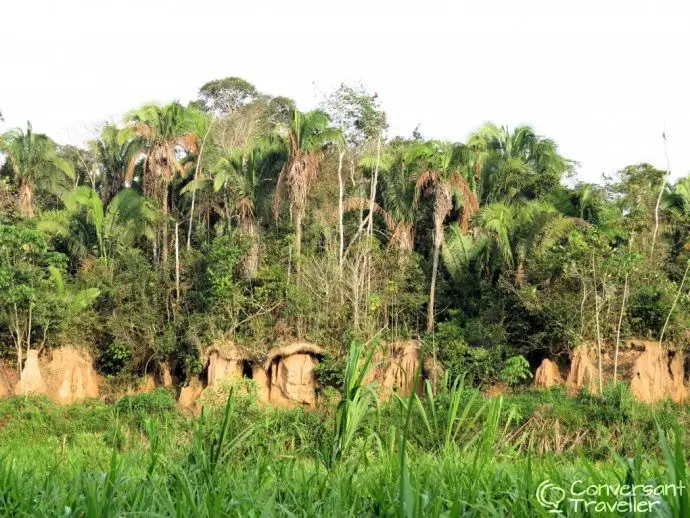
x=585 y=201
x=127 y=217
x=677 y=204
x=35 y=165
x=249 y=174
x=113 y=156
x=678 y=199
x=307 y=136
x=506 y=236
x=443 y=170
x=510 y=234
x=398 y=207
x=512 y=165
x=161 y=131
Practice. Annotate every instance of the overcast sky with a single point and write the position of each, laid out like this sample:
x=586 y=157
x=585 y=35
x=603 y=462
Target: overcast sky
x=603 y=78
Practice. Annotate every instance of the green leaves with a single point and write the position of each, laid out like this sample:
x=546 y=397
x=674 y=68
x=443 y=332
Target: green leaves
x=31 y=286
x=357 y=399
x=459 y=250
x=74 y=301
x=515 y=165
x=128 y=216
x=35 y=165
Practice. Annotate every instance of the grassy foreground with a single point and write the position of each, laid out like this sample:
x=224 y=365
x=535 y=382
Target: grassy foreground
x=450 y=454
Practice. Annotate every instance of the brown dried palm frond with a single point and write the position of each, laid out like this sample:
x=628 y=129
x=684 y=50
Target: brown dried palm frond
x=443 y=204
x=403 y=236
x=245 y=208
x=361 y=203
x=129 y=174
x=426 y=179
x=189 y=143
x=279 y=190
x=173 y=164
x=297 y=175
x=469 y=200
x=143 y=130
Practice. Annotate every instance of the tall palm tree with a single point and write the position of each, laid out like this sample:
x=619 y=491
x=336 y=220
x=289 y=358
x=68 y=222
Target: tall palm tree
x=443 y=170
x=517 y=164
x=398 y=191
x=34 y=165
x=160 y=132
x=249 y=174
x=307 y=136
x=113 y=156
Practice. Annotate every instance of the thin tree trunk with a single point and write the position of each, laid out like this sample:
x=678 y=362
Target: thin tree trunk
x=582 y=305
x=228 y=216
x=177 y=263
x=20 y=368
x=191 y=219
x=620 y=319
x=165 y=229
x=618 y=331
x=298 y=238
x=196 y=175
x=596 y=311
x=438 y=239
x=370 y=227
x=19 y=340
x=675 y=303
x=341 y=231
x=251 y=260
x=668 y=318
x=374 y=181
x=658 y=200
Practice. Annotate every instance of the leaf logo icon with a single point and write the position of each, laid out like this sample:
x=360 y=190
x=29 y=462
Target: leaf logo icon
x=550 y=495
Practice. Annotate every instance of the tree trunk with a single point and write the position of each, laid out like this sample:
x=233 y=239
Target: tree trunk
x=438 y=240
x=596 y=315
x=196 y=175
x=250 y=262
x=618 y=331
x=370 y=227
x=341 y=232
x=658 y=201
x=443 y=204
x=582 y=304
x=165 y=244
x=299 y=215
x=191 y=220
x=112 y=187
x=668 y=318
x=372 y=194
x=673 y=306
x=177 y=265
x=26 y=199
x=20 y=359
x=620 y=319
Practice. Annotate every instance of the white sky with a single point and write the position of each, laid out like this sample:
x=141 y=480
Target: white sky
x=603 y=78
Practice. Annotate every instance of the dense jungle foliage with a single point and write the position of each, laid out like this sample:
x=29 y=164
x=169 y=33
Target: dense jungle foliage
x=239 y=216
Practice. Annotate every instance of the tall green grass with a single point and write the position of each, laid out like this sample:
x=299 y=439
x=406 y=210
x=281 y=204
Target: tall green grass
x=445 y=453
